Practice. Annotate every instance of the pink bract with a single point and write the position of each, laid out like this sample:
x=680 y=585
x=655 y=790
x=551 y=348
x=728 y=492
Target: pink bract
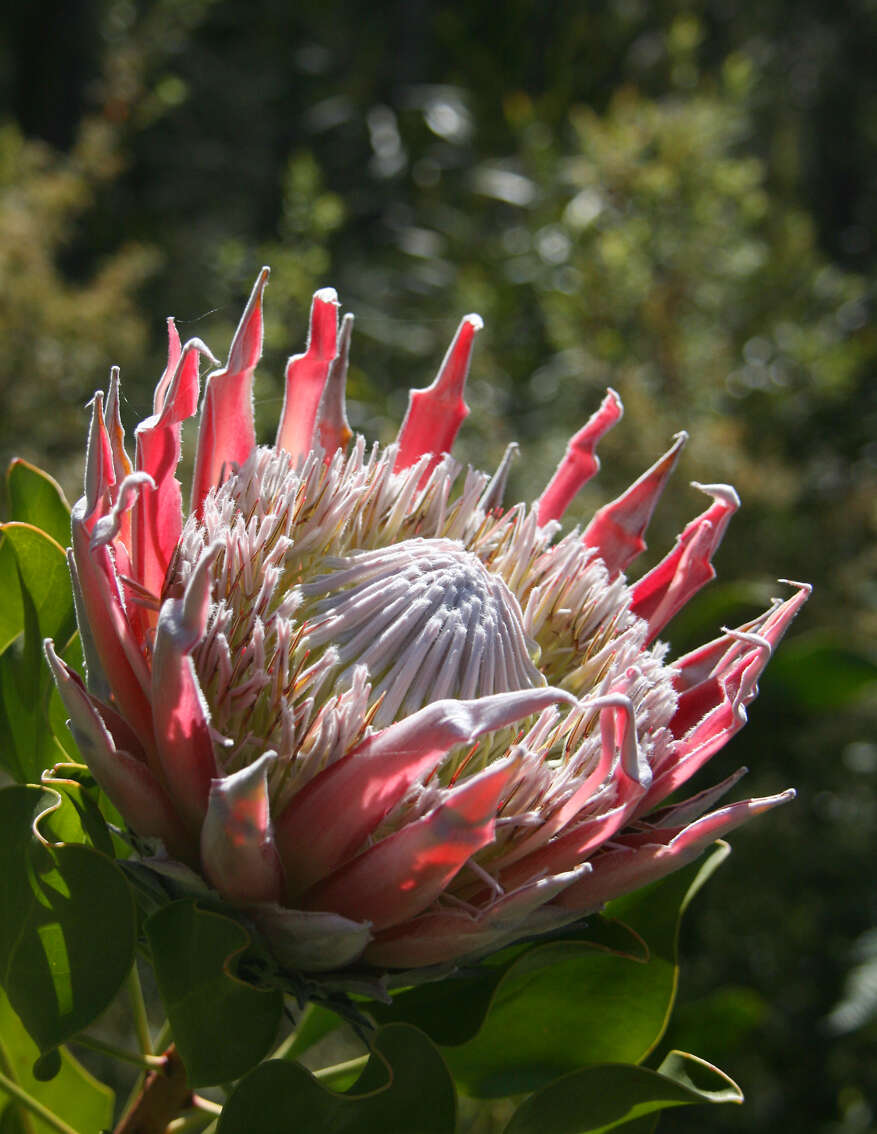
x=393 y=721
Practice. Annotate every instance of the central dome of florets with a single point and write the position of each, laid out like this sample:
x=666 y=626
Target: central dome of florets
x=426 y=618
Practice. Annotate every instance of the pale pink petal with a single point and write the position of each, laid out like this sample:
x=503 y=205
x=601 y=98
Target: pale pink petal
x=619 y=757
x=99 y=471
x=314 y=835
x=403 y=873
x=180 y=714
x=680 y=814
x=435 y=414
x=173 y=357
x=332 y=429
x=711 y=677
x=662 y=593
x=121 y=462
x=616 y=532
x=226 y=436
x=447 y=934
x=128 y=782
x=311 y=940
x=157 y=516
x=617 y=872
x=306 y=376
x=580 y=462
x=109 y=631
x=237 y=846
x=738 y=688
x=109 y=528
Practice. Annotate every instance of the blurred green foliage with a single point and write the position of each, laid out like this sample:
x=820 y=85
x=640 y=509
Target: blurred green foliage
x=674 y=198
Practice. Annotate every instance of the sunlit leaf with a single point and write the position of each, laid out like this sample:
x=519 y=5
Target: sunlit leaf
x=67 y=925
x=618 y=1097
x=36 y=498
x=41 y=588
x=73 y=1094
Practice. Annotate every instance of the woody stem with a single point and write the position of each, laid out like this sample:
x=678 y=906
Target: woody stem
x=164 y=1094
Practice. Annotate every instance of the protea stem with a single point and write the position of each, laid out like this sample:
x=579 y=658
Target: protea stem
x=340 y=1070
x=164 y=1095
x=150 y=1062
x=138 y=1009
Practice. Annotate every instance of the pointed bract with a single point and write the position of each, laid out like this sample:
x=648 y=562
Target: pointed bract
x=179 y=710
x=306 y=376
x=436 y=413
x=617 y=529
x=662 y=593
x=580 y=462
x=314 y=836
x=237 y=845
x=402 y=874
x=226 y=435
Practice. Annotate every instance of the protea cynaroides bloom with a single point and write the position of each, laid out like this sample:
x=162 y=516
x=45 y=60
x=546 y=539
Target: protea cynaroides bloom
x=392 y=721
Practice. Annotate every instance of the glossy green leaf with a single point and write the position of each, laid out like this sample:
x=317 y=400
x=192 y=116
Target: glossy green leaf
x=45 y=603
x=67 y=924
x=564 y=1006
x=42 y=565
x=37 y=498
x=11 y=613
x=405 y=1087
x=222 y=1025
x=451 y=1011
x=73 y=1094
x=619 y=1097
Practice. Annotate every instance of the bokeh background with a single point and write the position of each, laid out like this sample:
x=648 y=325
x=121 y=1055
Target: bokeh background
x=675 y=198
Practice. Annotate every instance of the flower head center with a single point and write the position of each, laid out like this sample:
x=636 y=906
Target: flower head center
x=426 y=618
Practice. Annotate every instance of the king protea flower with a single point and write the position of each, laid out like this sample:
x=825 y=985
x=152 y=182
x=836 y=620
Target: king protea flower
x=388 y=719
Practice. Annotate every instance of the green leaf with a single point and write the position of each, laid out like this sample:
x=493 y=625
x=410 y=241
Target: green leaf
x=73 y=1094
x=563 y=1006
x=452 y=1011
x=67 y=924
x=11 y=612
x=405 y=1086
x=45 y=609
x=222 y=1025
x=42 y=566
x=618 y=1097
x=37 y=498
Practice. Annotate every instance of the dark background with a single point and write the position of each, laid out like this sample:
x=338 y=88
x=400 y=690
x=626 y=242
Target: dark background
x=677 y=198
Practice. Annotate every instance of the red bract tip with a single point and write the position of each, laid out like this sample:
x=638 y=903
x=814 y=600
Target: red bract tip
x=662 y=593
x=435 y=414
x=617 y=529
x=306 y=376
x=227 y=435
x=580 y=461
